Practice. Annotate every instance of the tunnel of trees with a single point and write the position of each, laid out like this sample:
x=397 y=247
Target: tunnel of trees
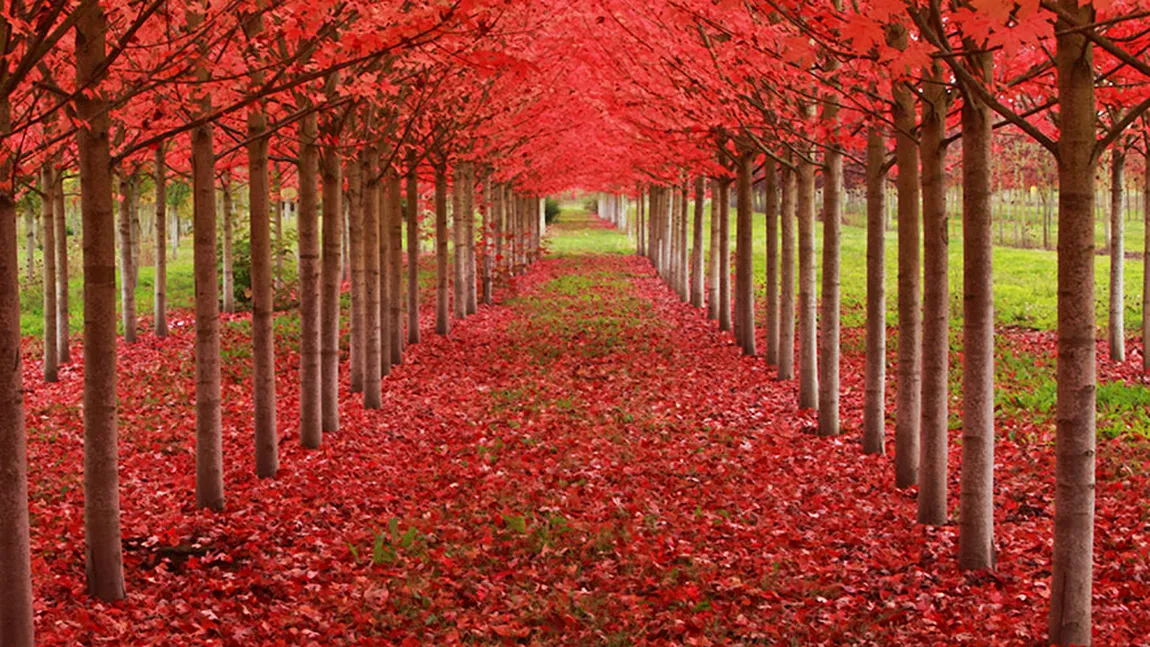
x=311 y=162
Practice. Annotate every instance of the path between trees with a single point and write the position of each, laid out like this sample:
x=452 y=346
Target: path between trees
x=589 y=463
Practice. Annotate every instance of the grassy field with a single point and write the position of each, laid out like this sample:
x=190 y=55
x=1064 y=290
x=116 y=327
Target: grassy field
x=1025 y=290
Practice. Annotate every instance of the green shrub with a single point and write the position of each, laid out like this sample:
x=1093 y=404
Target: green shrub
x=242 y=265
x=551 y=210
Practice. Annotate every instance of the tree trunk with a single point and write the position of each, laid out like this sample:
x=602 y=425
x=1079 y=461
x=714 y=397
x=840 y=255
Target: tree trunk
x=724 y=214
x=808 y=303
x=134 y=220
x=932 y=508
x=976 y=492
x=278 y=221
x=51 y=346
x=908 y=410
x=29 y=245
x=1070 y=596
x=310 y=407
x=209 y=442
x=1146 y=263
x=787 y=275
x=459 y=256
x=1116 y=324
x=63 y=316
x=16 y=613
x=412 y=214
x=499 y=207
x=127 y=288
x=263 y=330
x=395 y=259
x=771 y=207
x=383 y=211
x=103 y=551
x=744 y=250
x=358 y=275
x=442 y=297
x=829 y=330
x=160 y=282
x=372 y=355
x=683 y=278
x=331 y=278
x=469 y=240
x=229 y=277
x=874 y=407
x=698 y=285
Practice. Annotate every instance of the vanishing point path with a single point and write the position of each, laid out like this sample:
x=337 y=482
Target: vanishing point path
x=590 y=462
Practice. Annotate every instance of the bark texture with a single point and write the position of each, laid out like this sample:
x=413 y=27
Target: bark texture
x=160 y=282
x=310 y=407
x=808 y=302
x=263 y=331
x=787 y=275
x=874 y=406
x=1116 y=324
x=332 y=271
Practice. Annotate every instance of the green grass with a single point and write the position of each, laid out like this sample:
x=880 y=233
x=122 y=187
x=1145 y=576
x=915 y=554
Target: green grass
x=1025 y=288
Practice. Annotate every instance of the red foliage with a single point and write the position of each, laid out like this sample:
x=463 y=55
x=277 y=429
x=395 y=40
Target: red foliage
x=644 y=482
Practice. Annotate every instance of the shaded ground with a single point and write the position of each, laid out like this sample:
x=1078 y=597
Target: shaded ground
x=590 y=463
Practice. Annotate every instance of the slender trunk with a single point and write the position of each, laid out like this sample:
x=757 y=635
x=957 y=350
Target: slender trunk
x=383 y=211
x=787 y=275
x=103 y=551
x=63 y=316
x=499 y=207
x=278 y=222
x=771 y=207
x=412 y=214
x=1145 y=263
x=458 y=273
x=469 y=240
x=683 y=276
x=127 y=288
x=310 y=427
x=134 y=220
x=808 y=301
x=209 y=442
x=698 y=284
x=29 y=245
x=908 y=405
x=395 y=258
x=1116 y=324
x=229 y=276
x=829 y=328
x=724 y=202
x=358 y=274
x=263 y=330
x=976 y=491
x=744 y=250
x=372 y=341
x=329 y=298
x=160 y=282
x=874 y=408
x=1070 y=595
x=442 y=297
x=51 y=346
x=16 y=627
x=932 y=508
x=487 y=210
